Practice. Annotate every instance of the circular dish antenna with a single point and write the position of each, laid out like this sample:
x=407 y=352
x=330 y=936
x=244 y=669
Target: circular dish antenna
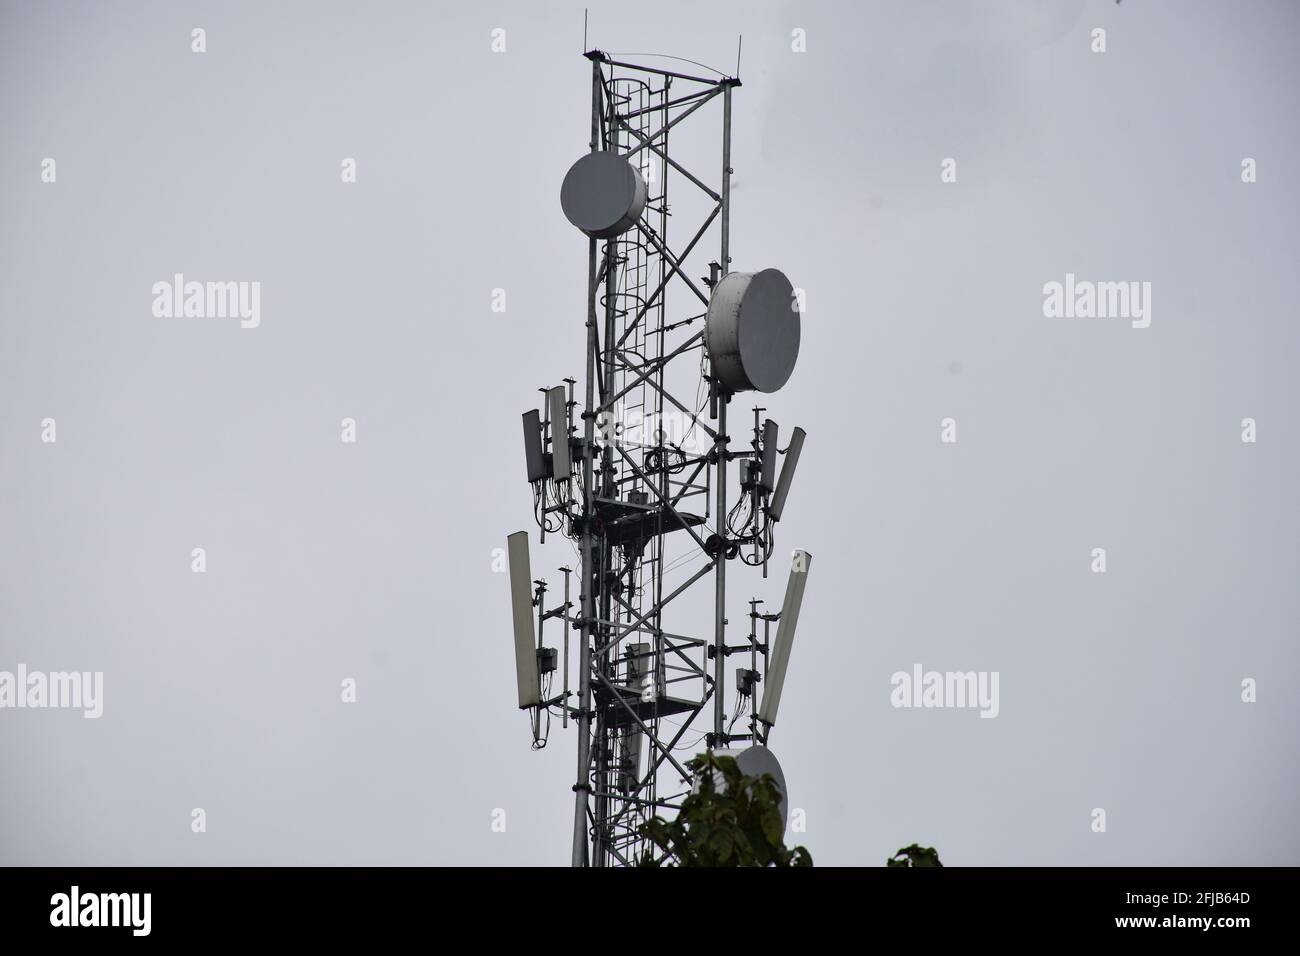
x=603 y=195
x=752 y=330
x=754 y=762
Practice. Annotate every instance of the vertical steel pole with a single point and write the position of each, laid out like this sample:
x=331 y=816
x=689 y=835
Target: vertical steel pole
x=720 y=449
x=665 y=481
x=726 y=178
x=720 y=586
x=564 y=623
x=604 y=737
x=583 y=784
x=753 y=665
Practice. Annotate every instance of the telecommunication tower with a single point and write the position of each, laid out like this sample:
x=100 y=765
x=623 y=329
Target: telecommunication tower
x=637 y=477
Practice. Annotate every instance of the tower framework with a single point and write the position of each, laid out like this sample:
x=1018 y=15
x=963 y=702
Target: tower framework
x=637 y=472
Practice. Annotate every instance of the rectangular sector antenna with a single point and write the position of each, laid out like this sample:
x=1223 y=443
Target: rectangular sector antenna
x=767 y=475
x=533 y=445
x=779 y=655
x=777 y=505
x=561 y=463
x=521 y=606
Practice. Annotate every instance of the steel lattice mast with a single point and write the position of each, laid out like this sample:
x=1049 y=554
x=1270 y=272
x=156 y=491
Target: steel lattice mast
x=640 y=686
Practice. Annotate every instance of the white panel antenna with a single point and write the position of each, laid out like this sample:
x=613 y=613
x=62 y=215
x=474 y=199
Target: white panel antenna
x=521 y=606
x=777 y=506
x=561 y=462
x=778 y=658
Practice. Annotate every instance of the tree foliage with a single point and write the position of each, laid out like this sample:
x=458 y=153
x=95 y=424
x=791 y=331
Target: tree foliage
x=737 y=823
x=915 y=855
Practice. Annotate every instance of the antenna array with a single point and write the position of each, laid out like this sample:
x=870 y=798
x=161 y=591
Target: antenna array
x=609 y=473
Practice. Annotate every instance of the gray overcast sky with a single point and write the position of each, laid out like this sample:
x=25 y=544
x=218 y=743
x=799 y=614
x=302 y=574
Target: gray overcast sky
x=373 y=561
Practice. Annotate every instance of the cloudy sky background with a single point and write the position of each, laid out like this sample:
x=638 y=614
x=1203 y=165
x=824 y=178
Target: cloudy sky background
x=374 y=561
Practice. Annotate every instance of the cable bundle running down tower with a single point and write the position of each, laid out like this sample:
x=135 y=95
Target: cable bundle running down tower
x=608 y=473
